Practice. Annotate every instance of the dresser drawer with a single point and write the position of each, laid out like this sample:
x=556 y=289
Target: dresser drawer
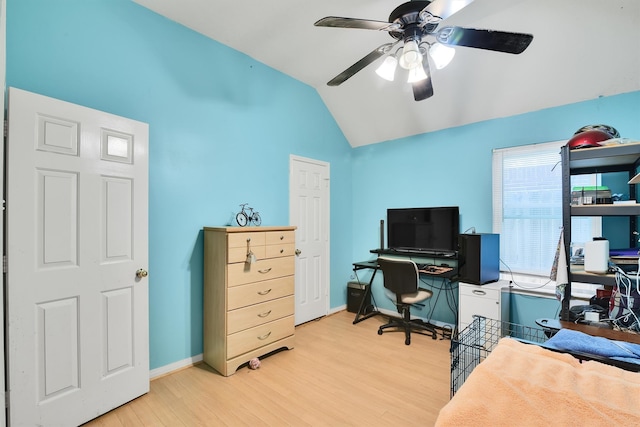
x=257 y=314
x=270 y=268
x=280 y=250
x=279 y=237
x=254 y=293
x=251 y=339
x=240 y=240
x=240 y=254
x=480 y=291
x=261 y=252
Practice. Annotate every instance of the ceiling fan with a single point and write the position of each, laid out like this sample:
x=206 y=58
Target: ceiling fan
x=412 y=22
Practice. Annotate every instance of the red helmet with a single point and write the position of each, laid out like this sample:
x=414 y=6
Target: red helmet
x=588 y=139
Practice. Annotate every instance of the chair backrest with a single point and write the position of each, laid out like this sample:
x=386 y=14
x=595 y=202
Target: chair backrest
x=400 y=275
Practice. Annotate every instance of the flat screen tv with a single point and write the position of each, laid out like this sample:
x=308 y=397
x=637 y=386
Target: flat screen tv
x=432 y=230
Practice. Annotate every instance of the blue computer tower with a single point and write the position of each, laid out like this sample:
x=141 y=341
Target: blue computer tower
x=479 y=258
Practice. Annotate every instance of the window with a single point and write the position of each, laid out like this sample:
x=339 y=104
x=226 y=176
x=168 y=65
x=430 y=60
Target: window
x=527 y=207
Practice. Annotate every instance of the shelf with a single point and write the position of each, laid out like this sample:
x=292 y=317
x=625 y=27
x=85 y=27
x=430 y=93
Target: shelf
x=579 y=275
x=605 y=210
x=604 y=157
x=422 y=254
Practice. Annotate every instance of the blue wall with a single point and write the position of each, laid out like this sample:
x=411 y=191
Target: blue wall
x=222 y=127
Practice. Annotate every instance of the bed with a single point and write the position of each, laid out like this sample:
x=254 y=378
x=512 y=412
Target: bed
x=523 y=383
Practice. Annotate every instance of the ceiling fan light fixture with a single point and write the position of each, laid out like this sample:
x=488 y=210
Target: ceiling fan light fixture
x=387 y=69
x=441 y=55
x=416 y=74
x=411 y=56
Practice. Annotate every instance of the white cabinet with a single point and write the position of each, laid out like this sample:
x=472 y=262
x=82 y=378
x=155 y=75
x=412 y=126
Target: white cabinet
x=482 y=300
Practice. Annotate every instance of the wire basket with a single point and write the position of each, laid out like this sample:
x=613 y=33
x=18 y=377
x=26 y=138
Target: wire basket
x=473 y=344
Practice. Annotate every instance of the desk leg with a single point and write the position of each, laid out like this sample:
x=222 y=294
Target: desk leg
x=360 y=316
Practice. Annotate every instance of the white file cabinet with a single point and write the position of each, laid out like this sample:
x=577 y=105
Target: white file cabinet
x=489 y=300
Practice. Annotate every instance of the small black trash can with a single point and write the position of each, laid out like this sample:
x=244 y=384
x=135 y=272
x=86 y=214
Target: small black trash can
x=355 y=294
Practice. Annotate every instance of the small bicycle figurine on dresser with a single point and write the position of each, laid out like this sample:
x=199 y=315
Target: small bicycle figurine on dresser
x=248 y=216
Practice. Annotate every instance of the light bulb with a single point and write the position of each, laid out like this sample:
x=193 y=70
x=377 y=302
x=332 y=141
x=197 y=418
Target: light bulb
x=388 y=68
x=416 y=74
x=411 y=56
x=441 y=55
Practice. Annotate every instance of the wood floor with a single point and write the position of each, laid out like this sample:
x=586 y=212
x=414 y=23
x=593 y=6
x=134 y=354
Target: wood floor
x=339 y=374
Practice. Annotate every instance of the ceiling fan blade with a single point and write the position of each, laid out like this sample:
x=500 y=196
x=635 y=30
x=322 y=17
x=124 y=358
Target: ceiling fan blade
x=499 y=41
x=364 y=24
x=445 y=8
x=370 y=58
x=423 y=89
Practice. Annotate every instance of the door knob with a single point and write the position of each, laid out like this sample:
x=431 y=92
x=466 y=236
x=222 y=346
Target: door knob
x=141 y=273
x=298 y=251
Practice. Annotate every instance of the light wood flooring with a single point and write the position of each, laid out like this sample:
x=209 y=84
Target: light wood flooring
x=338 y=374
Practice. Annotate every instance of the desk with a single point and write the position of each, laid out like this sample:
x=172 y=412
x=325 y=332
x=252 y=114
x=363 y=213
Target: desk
x=363 y=314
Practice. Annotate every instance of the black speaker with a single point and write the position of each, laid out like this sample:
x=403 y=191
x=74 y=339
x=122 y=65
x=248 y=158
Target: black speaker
x=478 y=258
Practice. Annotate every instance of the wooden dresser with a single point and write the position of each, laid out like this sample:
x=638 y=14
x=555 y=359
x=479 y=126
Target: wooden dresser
x=248 y=306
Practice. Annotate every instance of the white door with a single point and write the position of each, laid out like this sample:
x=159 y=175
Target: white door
x=77 y=333
x=309 y=211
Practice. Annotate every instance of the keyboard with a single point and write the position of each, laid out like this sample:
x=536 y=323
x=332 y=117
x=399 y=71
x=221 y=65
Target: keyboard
x=433 y=269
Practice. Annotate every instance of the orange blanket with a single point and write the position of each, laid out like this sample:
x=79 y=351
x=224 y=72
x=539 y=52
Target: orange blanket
x=526 y=385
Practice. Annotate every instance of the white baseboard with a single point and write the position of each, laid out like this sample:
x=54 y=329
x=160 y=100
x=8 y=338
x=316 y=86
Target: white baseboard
x=175 y=366
x=337 y=309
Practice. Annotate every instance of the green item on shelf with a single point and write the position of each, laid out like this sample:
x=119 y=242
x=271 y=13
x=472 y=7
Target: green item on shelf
x=591 y=188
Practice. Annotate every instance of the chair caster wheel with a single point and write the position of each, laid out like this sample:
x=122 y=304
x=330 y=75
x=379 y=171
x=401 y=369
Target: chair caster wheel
x=434 y=337
x=379 y=331
x=407 y=341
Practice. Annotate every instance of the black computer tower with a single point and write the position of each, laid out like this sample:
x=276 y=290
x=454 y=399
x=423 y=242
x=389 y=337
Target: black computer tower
x=478 y=258
x=356 y=292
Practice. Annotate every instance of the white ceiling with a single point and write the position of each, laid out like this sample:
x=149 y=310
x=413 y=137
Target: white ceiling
x=581 y=50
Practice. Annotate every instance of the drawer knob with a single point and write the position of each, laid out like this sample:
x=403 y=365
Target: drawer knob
x=263 y=315
x=264 y=292
x=281 y=250
x=265 y=336
x=281 y=237
x=266 y=270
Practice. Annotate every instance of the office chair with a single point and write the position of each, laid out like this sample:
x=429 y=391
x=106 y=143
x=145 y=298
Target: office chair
x=401 y=283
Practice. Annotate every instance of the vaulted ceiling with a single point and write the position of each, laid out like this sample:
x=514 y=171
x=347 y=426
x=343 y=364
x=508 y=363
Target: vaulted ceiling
x=581 y=50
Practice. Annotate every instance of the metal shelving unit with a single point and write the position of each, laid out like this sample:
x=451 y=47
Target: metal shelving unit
x=606 y=159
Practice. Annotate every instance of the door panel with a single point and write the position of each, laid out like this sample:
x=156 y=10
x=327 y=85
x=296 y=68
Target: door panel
x=77 y=233
x=57 y=330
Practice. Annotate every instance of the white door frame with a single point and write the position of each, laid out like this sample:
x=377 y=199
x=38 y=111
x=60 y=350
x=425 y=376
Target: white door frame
x=3 y=22
x=327 y=267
